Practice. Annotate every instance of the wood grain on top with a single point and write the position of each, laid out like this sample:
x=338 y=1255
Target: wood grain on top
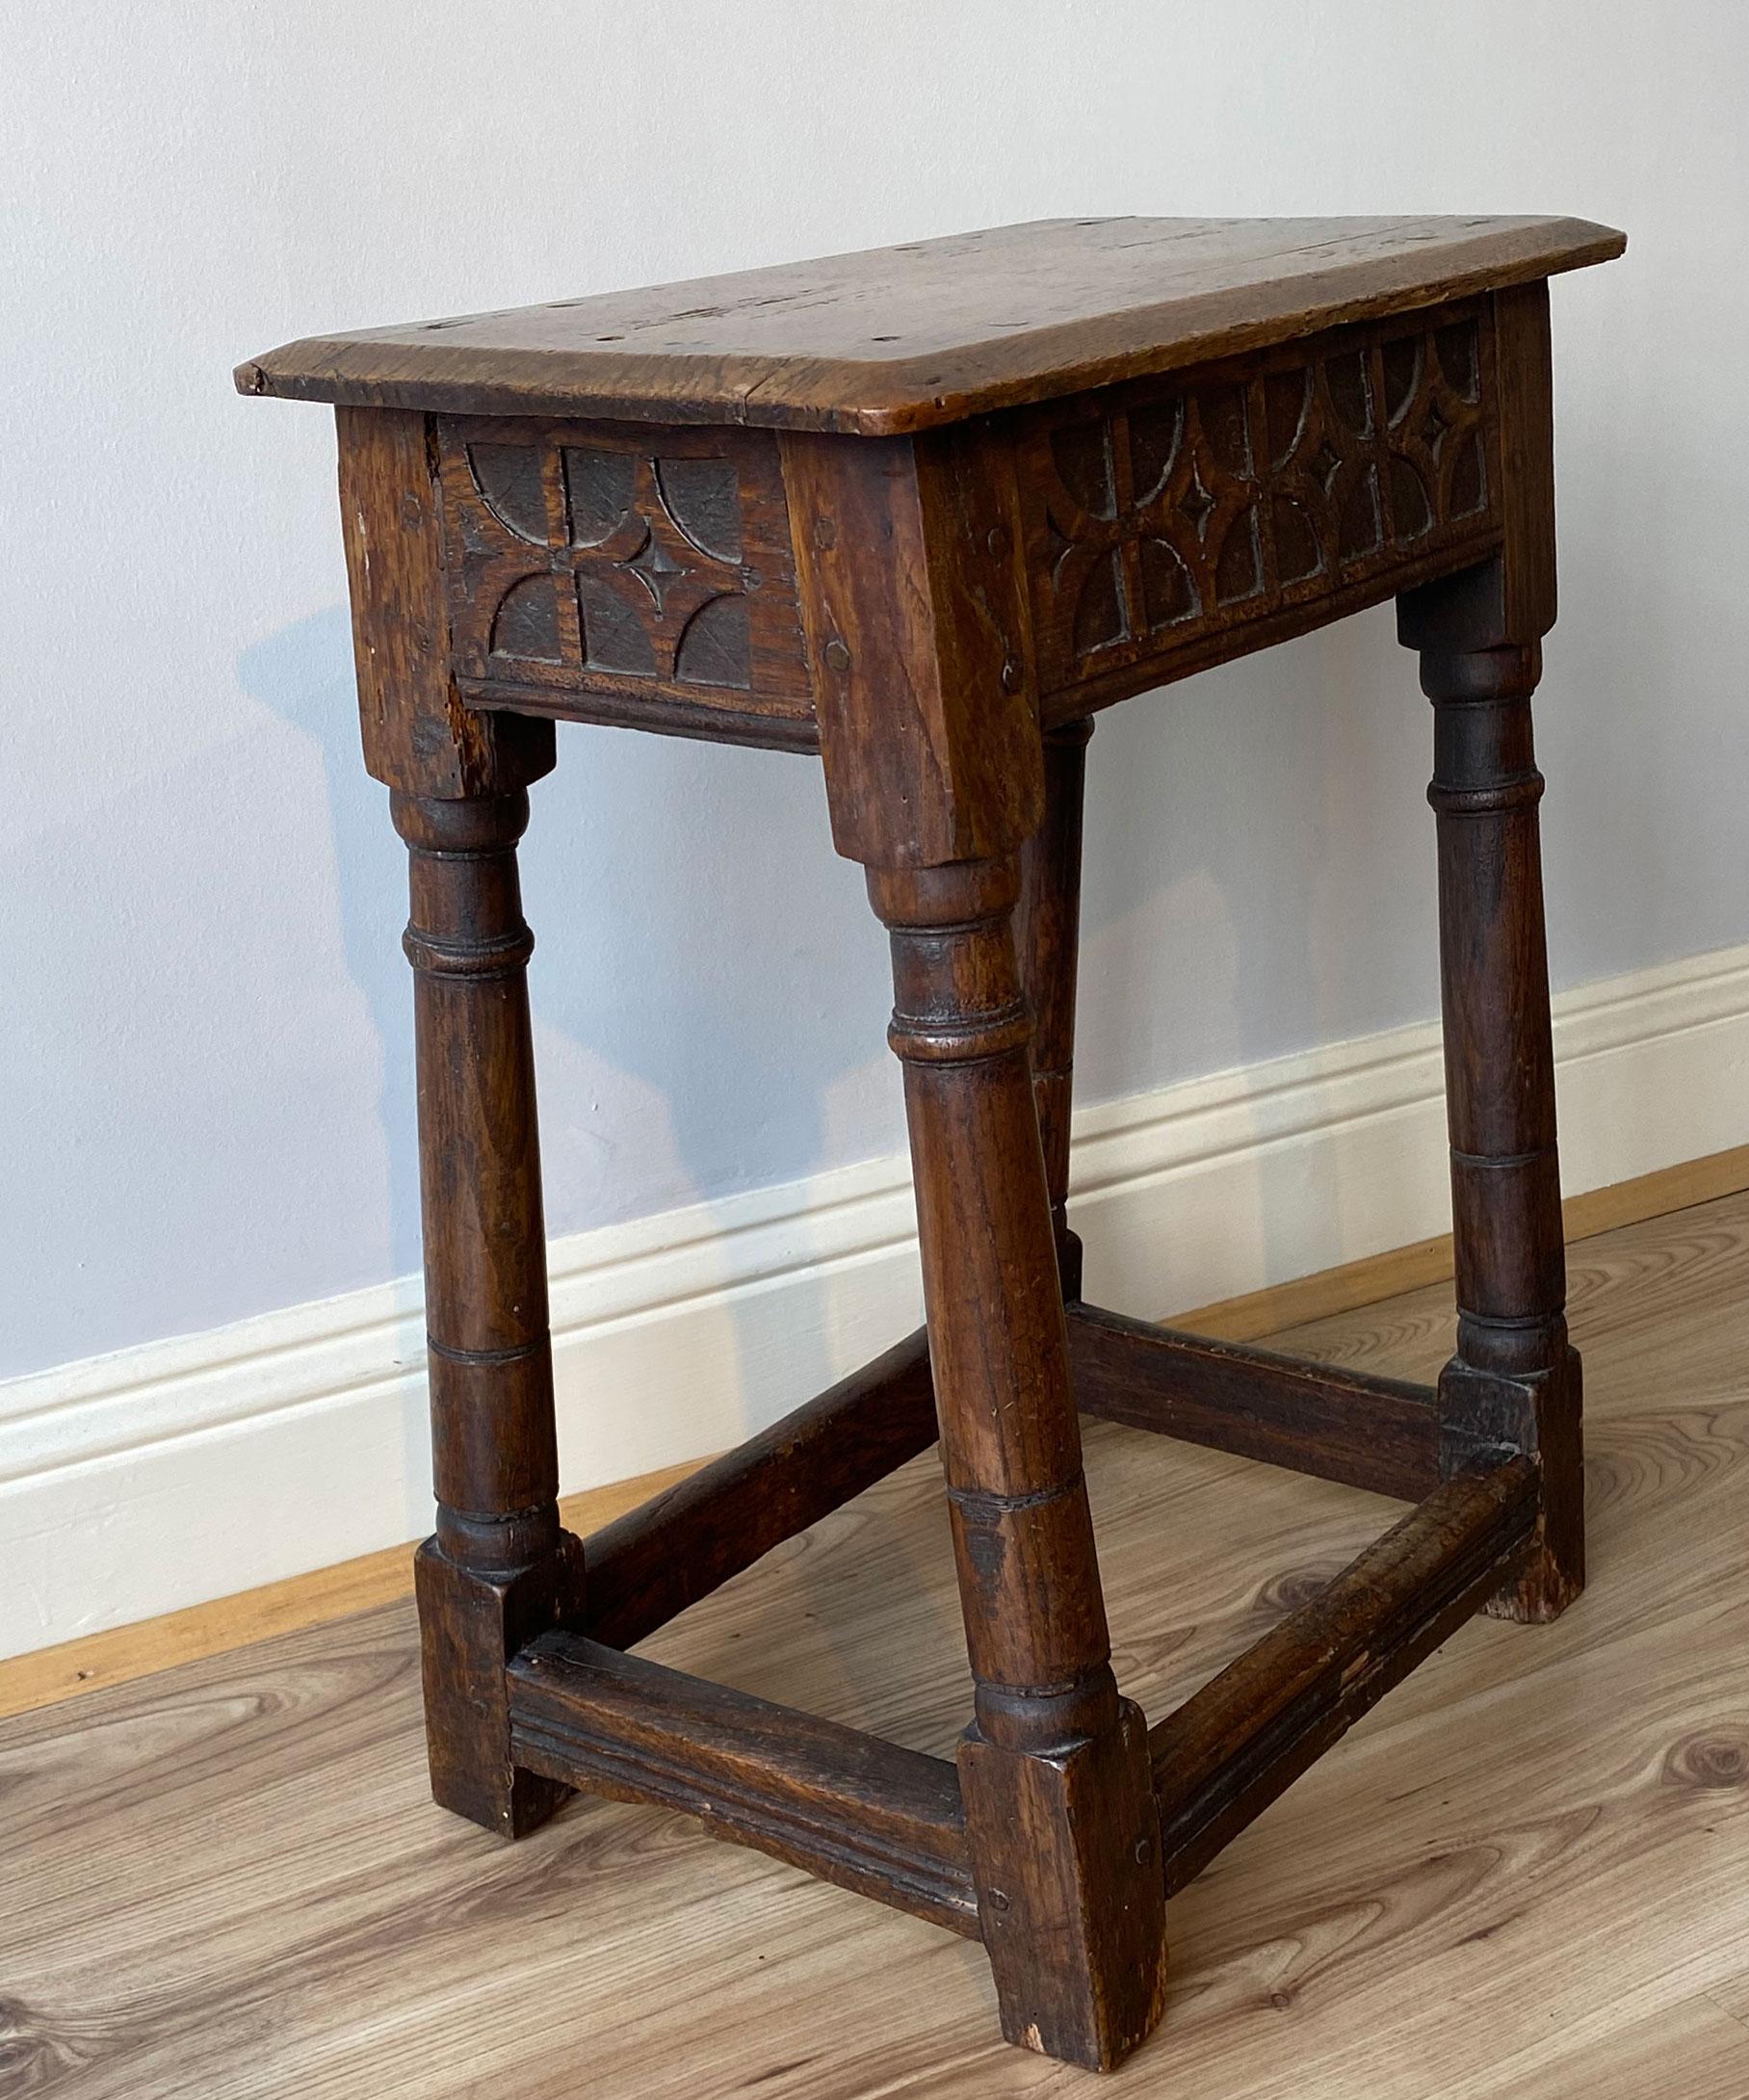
x=927 y=332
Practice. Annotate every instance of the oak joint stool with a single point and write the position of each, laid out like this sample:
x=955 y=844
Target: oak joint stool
x=925 y=511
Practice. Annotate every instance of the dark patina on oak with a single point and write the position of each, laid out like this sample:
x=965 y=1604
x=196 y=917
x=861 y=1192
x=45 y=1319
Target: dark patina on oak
x=925 y=511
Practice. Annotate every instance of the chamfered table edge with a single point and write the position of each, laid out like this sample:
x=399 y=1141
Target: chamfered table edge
x=923 y=391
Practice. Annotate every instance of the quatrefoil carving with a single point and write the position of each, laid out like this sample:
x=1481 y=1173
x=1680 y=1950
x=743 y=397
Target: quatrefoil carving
x=622 y=563
x=1164 y=507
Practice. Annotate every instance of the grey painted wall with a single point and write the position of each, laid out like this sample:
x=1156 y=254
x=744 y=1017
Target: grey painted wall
x=205 y=1035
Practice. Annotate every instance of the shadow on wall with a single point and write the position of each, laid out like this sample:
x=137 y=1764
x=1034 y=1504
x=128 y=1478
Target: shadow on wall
x=690 y=920
x=304 y=673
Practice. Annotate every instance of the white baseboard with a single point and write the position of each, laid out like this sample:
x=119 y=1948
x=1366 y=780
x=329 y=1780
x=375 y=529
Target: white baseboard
x=162 y=1476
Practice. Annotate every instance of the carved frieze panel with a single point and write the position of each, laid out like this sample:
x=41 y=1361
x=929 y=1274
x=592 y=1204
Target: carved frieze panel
x=1161 y=512
x=595 y=558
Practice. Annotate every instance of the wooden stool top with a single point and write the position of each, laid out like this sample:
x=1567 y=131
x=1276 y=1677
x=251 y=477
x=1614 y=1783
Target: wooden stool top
x=929 y=333
x=936 y=497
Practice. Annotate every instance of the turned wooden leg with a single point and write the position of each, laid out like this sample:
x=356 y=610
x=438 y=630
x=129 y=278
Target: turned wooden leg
x=930 y=745
x=1050 y=940
x=1059 y=1806
x=499 y=1571
x=1514 y=1379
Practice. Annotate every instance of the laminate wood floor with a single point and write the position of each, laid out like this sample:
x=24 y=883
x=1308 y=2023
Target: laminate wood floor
x=1526 y=1874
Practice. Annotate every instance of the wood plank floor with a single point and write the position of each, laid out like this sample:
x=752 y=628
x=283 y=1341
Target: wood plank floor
x=1525 y=1875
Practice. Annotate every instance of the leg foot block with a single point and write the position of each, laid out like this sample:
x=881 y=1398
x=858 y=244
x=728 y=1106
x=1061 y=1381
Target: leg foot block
x=470 y=1624
x=1539 y=1414
x=1070 y=1890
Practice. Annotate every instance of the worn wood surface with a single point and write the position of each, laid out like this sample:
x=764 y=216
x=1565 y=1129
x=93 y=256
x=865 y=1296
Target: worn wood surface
x=1180 y=520
x=903 y=338
x=499 y=1568
x=1059 y=1811
x=582 y=556
x=1047 y=931
x=845 y=1804
x=1525 y=1876
x=1379 y=1433
x=1039 y=564
x=1514 y=1377
x=653 y=1561
x=916 y=623
x=1224 y=1755
x=417 y=735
